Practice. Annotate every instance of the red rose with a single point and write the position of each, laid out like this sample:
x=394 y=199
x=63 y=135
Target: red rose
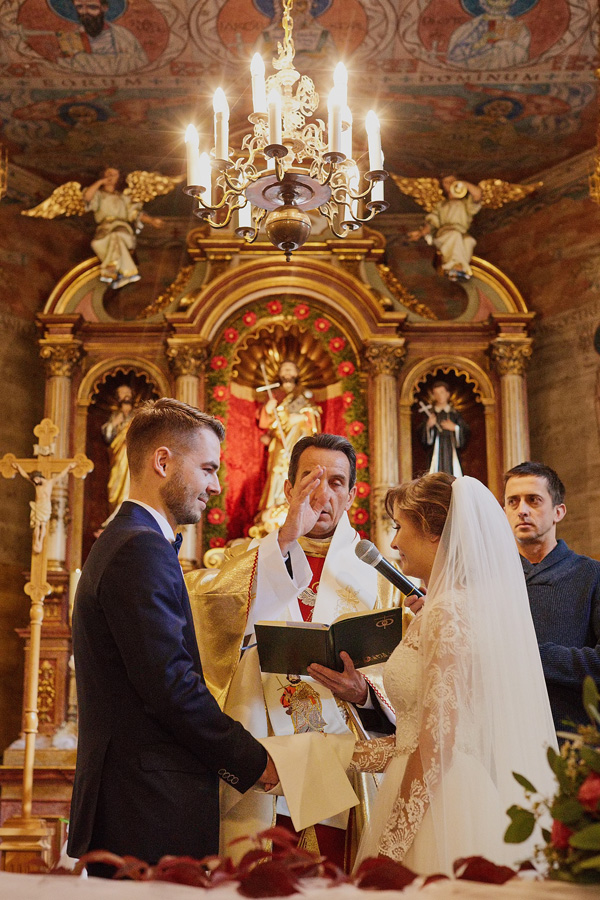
x=216 y=516
x=362 y=534
x=362 y=489
x=231 y=335
x=362 y=460
x=560 y=835
x=360 y=516
x=589 y=792
x=216 y=542
x=355 y=428
x=336 y=344
x=322 y=325
x=274 y=307
x=345 y=369
x=249 y=319
x=348 y=398
x=302 y=311
x=218 y=362
x=220 y=392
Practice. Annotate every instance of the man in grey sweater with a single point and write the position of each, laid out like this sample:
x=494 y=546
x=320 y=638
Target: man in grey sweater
x=563 y=588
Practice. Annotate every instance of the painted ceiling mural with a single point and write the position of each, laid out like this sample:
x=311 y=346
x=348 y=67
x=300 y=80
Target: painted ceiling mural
x=488 y=88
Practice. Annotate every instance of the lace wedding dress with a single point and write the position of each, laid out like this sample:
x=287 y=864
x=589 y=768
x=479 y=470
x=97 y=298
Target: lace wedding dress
x=471 y=704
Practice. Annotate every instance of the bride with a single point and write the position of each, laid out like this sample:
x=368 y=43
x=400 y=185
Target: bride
x=466 y=683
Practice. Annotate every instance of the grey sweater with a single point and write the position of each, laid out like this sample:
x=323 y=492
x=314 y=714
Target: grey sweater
x=564 y=594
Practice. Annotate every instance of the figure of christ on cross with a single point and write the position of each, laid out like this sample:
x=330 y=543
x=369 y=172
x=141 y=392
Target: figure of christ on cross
x=25 y=835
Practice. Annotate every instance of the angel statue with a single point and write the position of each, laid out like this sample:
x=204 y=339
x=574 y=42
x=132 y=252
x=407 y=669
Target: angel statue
x=451 y=206
x=118 y=215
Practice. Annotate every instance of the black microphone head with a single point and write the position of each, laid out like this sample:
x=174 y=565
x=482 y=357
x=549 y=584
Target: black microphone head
x=367 y=552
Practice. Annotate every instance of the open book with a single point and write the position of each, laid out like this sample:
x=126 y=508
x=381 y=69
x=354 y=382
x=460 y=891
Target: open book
x=289 y=647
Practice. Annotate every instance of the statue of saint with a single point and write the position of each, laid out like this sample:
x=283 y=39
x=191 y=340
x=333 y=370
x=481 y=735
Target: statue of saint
x=286 y=421
x=444 y=432
x=41 y=507
x=114 y=432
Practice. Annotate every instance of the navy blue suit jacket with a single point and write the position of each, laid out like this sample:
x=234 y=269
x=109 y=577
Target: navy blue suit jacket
x=153 y=742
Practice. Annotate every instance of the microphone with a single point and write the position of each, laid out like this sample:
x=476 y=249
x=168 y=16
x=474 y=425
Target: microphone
x=368 y=553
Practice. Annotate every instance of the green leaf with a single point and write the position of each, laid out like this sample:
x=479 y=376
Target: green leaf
x=568 y=811
x=591 y=757
x=592 y=862
x=559 y=767
x=586 y=839
x=590 y=697
x=546 y=835
x=521 y=826
x=524 y=783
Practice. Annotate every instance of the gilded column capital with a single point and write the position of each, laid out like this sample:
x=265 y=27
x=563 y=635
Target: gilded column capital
x=186 y=359
x=384 y=359
x=61 y=358
x=510 y=357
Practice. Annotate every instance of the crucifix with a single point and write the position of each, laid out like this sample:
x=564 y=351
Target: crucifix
x=24 y=837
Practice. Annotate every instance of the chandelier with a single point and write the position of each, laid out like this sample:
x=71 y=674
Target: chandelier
x=285 y=167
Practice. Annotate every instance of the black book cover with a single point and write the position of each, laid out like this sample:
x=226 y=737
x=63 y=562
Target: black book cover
x=287 y=648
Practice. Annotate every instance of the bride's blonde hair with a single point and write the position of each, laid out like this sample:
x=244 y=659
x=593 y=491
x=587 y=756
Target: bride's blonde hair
x=425 y=500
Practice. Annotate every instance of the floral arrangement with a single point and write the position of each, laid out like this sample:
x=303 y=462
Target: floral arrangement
x=354 y=403
x=276 y=867
x=571 y=849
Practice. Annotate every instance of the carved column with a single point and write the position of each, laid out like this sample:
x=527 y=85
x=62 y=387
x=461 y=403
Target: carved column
x=60 y=358
x=510 y=358
x=187 y=361
x=383 y=364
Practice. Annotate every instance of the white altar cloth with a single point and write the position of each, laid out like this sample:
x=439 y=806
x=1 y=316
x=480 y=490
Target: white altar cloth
x=54 y=887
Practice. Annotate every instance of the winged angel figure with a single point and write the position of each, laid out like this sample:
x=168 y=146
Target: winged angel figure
x=451 y=205
x=118 y=215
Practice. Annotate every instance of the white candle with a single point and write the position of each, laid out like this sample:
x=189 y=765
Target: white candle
x=347 y=132
x=205 y=177
x=340 y=81
x=192 y=153
x=377 y=190
x=275 y=133
x=374 y=139
x=259 y=93
x=221 y=108
x=334 y=126
x=245 y=216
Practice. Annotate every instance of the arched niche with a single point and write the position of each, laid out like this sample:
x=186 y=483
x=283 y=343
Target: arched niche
x=478 y=389
x=319 y=343
x=93 y=405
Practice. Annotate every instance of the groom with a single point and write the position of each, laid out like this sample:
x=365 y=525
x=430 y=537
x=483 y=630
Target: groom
x=153 y=743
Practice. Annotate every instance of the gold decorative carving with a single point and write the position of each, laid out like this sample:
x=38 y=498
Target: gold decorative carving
x=46 y=692
x=60 y=358
x=384 y=359
x=511 y=357
x=276 y=341
x=186 y=359
x=165 y=299
x=400 y=293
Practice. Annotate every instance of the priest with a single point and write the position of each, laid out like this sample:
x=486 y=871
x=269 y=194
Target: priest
x=306 y=570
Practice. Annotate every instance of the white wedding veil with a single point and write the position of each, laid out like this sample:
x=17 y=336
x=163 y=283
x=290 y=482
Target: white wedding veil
x=483 y=706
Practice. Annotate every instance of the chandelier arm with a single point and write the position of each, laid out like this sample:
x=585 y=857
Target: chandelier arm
x=368 y=218
x=232 y=186
x=348 y=194
x=325 y=211
x=205 y=214
x=222 y=203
